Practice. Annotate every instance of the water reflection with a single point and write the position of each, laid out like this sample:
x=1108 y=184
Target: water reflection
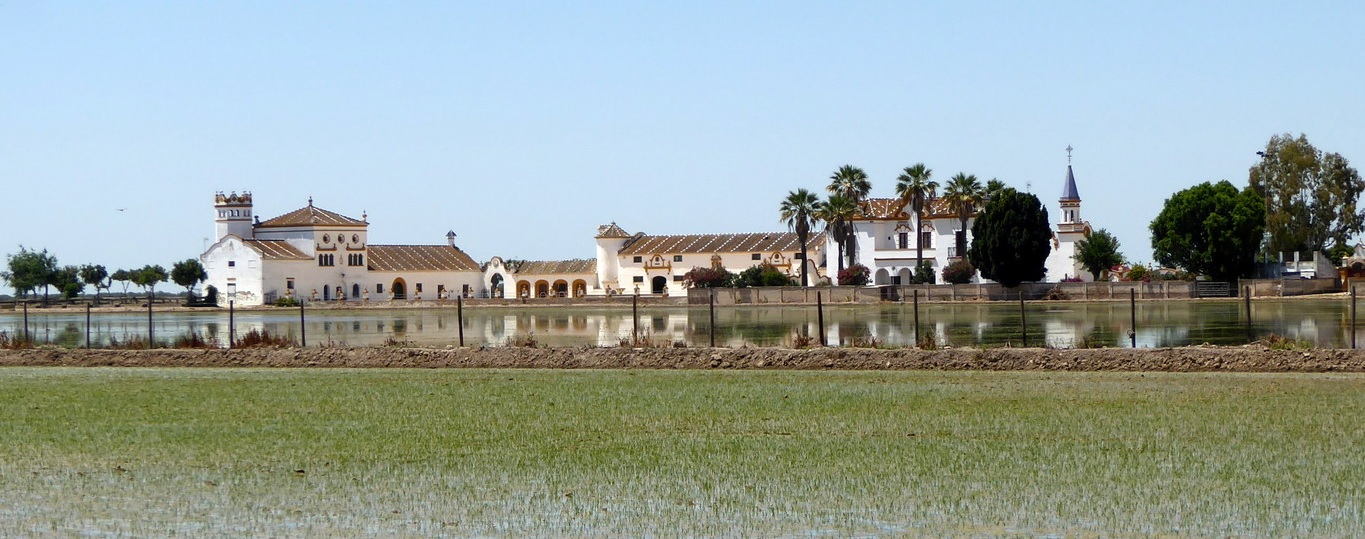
x=1325 y=322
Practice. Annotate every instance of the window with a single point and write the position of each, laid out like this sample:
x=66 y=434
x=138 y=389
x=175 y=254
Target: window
x=757 y=256
x=637 y=259
x=677 y=258
x=903 y=240
x=326 y=260
x=379 y=288
x=418 y=288
x=926 y=239
x=679 y=278
x=232 y=263
x=637 y=279
x=289 y=284
x=799 y=256
x=355 y=259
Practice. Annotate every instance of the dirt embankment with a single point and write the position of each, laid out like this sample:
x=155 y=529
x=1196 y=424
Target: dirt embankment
x=1188 y=359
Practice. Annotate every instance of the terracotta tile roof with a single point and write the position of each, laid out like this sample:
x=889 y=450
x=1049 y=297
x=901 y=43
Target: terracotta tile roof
x=891 y=209
x=276 y=250
x=760 y=242
x=310 y=215
x=419 y=258
x=612 y=231
x=548 y=267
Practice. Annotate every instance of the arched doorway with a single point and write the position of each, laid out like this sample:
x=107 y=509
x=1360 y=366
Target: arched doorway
x=496 y=289
x=341 y=294
x=906 y=276
x=580 y=288
x=399 y=289
x=542 y=289
x=561 y=288
x=881 y=277
x=326 y=293
x=659 y=284
x=355 y=291
x=523 y=289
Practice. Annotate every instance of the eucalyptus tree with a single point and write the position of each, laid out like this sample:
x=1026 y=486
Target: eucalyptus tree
x=799 y=211
x=850 y=181
x=965 y=196
x=917 y=190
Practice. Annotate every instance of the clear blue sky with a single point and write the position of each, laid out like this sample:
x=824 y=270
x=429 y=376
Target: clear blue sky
x=523 y=126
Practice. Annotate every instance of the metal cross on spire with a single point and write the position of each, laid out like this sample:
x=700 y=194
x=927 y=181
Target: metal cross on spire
x=1068 y=154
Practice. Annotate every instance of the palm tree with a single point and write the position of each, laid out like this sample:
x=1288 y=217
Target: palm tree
x=917 y=191
x=965 y=195
x=799 y=211
x=993 y=187
x=838 y=213
x=851 y=182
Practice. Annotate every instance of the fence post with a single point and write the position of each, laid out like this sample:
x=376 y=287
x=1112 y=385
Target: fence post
x=1132 y=307
x=711 y=299
x=459 y=316
x=820 y=317
x=1023 y=317
x=26 y=336
x=151 y=336
x=917 y=343
x=232 y=325
x=303 y=327
x=1353 y=317
x=87 y=326
x=635 y=319
x=1247 y=298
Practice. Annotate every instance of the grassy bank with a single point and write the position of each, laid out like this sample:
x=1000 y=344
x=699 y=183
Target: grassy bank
x=157 y=452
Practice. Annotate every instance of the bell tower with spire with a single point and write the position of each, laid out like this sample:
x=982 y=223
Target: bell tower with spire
x=1070 y=220
x=232 y=215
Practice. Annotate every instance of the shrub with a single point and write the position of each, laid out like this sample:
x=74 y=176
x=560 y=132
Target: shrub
x=524 y=341
x=263 y=339
x=708 y=278
x=16 y=342
x=194 y=340
x=924 y=274
x=1057 y=294
x=211 y=295
x=287 y=301
x=959 y=272
x=1138 y=272
x=855 y=275
x=803 y=341
x=763 y=275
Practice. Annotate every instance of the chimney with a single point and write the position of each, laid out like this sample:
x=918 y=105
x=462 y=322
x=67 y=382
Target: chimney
x=450 y=238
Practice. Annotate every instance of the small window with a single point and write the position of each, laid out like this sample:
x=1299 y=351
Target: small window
x=379 y=288
x=289 y=284
x=679 y=278
x=418 y=288
x=799 y=256
x=232 y=263
x=926 y=239
x=903 y=240
x=637 y=259
x=677 y=258
x=637 y=279
x=757 y=256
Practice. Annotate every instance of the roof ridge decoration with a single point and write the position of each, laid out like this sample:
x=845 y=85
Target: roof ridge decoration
x=310 y=215
x=611 y=231
x=1069 y=192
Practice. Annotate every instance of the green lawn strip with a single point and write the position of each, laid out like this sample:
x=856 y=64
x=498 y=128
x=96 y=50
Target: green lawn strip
x=678 y=453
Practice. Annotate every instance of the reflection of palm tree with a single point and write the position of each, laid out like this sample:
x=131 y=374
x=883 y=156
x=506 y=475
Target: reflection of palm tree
x=851 y=182
x=838 y=213
x=965 y=195
x=917 y=191
x=798 y=210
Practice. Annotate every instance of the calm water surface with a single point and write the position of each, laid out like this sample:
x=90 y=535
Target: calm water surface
x=1325 y=322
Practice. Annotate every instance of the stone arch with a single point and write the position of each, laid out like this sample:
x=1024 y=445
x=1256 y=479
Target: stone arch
x=523 y=289
x=580 y=288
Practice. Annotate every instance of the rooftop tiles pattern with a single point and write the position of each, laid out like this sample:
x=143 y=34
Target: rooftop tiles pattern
x=310 y=215
x=419 y=258
x=276 y=250
x=758 y=242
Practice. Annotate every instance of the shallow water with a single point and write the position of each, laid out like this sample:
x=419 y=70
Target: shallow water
x=1324 y=322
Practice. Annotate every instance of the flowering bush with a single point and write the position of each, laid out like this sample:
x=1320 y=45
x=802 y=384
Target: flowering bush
x=959 y=272
x=855 y=275
x=708 y=278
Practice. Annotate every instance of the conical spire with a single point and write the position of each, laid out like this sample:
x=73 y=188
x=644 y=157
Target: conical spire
x=1069 y=192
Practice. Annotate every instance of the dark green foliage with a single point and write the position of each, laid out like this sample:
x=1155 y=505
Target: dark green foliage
x=95 y=275
x=1210 y=229
x=799 y=211
x=1098 y=252
x=122 y=276
x=708 y=278
x=855 y=275
x=1312 y=196
x=188 y=273
x=959 y=272
x=762 y=275
x=148 y=277
x=29 y=270
x=211 y=295
x=1011 y=239
x=924 y=274
x=286 y=301
x=67 y=281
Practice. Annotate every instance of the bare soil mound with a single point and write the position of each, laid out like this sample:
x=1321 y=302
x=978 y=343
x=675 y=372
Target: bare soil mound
x=1186 y=359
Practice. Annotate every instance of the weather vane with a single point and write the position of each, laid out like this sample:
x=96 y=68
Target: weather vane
x=1068 y=154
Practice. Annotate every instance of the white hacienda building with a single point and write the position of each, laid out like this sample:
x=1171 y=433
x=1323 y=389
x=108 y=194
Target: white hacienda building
x=322 y=255
x=886 y=239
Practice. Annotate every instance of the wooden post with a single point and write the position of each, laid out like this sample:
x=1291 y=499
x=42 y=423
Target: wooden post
x=87 y=326
x=820 y=317
x=303 y=327
x=1353 y=317
x=711 y=299
x=635 y=319
x=1246 y=291
x=1132 y=307
x=26 y=336
x=459 y=316
x=916 y=318
x=151 y=336
x=232 y=325
x=1023 y=317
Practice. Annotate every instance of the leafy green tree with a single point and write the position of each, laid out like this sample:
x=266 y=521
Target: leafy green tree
x=924 y=274
x=917 y=190
x=851 y=182
x=959 y=272
x=762 y=275
x=965 y=196
x=838 y=214
x=1011 y=239
x=122 y=276
x=799 y=211
x=700 y=277
x=97 y=276
x=28 y=270
x=148 y=276
x=1311 y=197
x=993 y=187
x=67 y=281
x=855 y=275
x=188 y=273
x=1210 y=229
x=1098 y=252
